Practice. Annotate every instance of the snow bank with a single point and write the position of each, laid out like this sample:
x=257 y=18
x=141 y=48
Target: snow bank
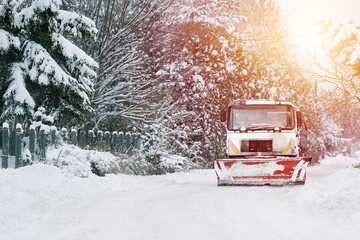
x=338 y=192
x=30 y=193
x=26 y=194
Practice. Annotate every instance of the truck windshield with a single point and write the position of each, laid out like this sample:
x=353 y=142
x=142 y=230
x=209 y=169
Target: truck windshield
x=261 y=117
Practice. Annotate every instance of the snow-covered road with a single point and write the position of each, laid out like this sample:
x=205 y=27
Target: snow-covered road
x=50 y=206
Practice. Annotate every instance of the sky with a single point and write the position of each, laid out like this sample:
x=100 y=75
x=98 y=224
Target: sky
x=303 y=13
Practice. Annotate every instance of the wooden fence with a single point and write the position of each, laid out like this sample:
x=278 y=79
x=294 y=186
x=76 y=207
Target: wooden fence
x=19 y=147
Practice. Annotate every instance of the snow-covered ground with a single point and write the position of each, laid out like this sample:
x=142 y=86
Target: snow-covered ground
x=39 y=202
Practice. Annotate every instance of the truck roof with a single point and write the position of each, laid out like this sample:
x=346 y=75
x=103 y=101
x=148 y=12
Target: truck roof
x=260 y=102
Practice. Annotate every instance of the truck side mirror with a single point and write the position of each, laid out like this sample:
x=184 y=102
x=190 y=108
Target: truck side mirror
x=223 y=115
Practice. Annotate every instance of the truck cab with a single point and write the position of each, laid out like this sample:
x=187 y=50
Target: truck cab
x=263 y=127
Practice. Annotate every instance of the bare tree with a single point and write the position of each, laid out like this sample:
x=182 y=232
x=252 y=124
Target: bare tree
x=123 y=80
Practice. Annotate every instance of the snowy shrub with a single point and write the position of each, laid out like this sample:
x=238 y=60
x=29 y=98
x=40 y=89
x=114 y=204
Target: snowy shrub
x=327 y=136
x=164 y=158
x=81 y=163
x=168 y=163
x=74 y=161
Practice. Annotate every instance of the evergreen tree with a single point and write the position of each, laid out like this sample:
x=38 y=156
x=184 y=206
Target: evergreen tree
x=40 y=64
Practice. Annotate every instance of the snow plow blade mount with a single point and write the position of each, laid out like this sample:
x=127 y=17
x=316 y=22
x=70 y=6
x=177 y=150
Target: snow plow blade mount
x=260 y=171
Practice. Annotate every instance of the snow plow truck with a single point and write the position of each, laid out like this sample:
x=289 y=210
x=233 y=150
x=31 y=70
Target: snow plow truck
x=266 y=144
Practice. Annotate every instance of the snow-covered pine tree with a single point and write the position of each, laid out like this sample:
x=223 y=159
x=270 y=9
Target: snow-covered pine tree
x=40 y=65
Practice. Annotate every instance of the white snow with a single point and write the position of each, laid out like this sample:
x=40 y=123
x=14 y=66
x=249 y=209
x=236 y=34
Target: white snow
x=49 y=119
x=73 y=52
x=355 y=56
x=272 y=92
x=7 y=40
x=240 y=169
x=18 y=90
x=44 y=127
x=41 y=109
x=37 y=57
x=26 y=14
x=71 y=21
x=230 y=67
x=346 y=32
x=40 y=202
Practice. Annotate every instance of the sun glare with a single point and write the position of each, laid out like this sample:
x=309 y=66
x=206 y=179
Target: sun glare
x=306 y=36
x=303 y=15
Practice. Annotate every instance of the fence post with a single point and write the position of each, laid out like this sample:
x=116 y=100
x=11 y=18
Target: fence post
x=32 y=142
x=73 y=136
x=64 y=134
x=121 y=141
x=133 y=140
x=12 y=139
x=114 y=140
x=91 y=139
x=138 y=141
x=127 y=140
x=42 y=144
x=82 y=139
x=107 y=137
x=0 y=137
x=99 y=138
x=53 y=135
x=5 y=145
x=18 y=143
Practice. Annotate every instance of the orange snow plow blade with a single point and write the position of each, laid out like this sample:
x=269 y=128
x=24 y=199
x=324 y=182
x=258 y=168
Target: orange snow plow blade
x=260 y=171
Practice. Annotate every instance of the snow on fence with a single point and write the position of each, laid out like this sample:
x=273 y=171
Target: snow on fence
x=19 y=147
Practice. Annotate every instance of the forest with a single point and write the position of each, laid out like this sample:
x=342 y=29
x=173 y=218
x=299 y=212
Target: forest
x=166 y=69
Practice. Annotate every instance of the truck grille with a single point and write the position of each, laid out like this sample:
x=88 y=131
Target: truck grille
x=256 y=146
